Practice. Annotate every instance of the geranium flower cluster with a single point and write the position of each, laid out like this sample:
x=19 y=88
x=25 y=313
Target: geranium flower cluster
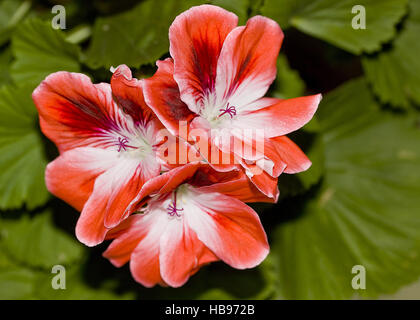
x=163 y=166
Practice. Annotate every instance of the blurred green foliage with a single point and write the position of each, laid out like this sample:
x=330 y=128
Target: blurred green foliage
x=359 y=204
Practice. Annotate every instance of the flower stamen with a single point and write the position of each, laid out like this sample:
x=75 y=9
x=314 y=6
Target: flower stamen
x=172 y=209
x=122 y=144
x=230 y=110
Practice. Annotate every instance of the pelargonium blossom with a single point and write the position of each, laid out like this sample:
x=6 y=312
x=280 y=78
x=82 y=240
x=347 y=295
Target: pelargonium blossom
x=216 y=80
x=192 y=217
x=169 y=218
x=108 y=141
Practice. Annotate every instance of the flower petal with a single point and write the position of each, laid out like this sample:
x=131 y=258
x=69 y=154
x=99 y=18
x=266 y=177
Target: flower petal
x=172 y=251
x=290 y=154
x=128 y=94
x=72 y=175
x=127 y=236
x=263 y=181
x=112 y=194
x=181 y=254
x=228 y=227
x=280 y=118
x=164 y=183
x=196 y=39
x=247 y=62
x=145 y=263
x=74 y=112
x=127 y=187
x=234 y=184
x=162 y=95
x=136 y=240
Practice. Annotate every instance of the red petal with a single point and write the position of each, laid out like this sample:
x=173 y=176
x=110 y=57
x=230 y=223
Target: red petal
x=128 y=93
x=113 y=192
x=72 y=175
x=144 y=264
x=126 y=190
x=264 y=181
x=74 y=112
x=196 y=39
x=137 y=239
x=162 y=96
x=164 y=183
x=127 y=236
x=181 y=254
x=229 y=228
x=247 y=62
x=162 y=250
x=234 y=184
x=282 y=117
x=290 y=154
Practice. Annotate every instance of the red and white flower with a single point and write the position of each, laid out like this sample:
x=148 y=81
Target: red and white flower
x=216 y=82
x=169 y=218
x=108 y=140
x=193 y=216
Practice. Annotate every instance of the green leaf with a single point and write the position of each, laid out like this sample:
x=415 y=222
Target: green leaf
x=23 y=161
x=210 y=283
x=317 y=157
x=331 y=20
x=127 y=39
x=5 y=60
x=366 y=210
x=29 y=247
x=21 y=282
x=77 y=288
x=11 y=13
x=16 y=283
x=37 y=243
x=256 y=7
x=283 y=10
x=395 y=74
x=239 y=7
x=288 y=83
x=40 y=50
x=298 y=184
